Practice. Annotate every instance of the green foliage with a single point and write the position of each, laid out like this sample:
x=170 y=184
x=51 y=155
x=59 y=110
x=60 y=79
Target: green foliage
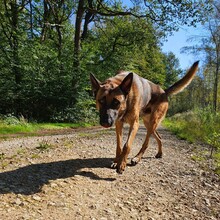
x=193 y=97
x=172 y=69
x=198 y=126
x=44 y=146
x=12 y=120
x=208 y=46
x=179 y=126
x=172 y=14
x=44 y=72
x=214 y=140
x=125 y=43
x=12 y=125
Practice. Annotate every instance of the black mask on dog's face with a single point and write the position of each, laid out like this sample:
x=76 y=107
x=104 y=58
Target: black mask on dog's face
x=108 y=112
x=111 y=98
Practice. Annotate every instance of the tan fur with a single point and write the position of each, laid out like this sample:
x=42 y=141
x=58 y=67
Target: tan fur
x=184 y=82
x=138 y=97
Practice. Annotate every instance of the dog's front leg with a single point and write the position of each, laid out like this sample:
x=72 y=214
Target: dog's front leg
x=118 y=129
x=122 y=162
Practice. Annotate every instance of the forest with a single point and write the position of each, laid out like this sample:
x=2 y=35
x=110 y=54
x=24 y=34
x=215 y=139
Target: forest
x=48 y=49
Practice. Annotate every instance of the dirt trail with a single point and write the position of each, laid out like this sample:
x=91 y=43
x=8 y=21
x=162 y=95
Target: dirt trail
x=68 y=177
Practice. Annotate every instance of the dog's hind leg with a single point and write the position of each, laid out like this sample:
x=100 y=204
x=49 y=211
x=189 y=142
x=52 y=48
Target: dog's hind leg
x=158 y=134
x=151 y=122
x=147 y=119
x=138 y=157
x=159 y=143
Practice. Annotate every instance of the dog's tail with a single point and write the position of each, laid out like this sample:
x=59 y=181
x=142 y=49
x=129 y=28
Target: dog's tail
x=184 y=82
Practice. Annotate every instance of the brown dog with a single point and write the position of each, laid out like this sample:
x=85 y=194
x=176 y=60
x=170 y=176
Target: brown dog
x=126 y=97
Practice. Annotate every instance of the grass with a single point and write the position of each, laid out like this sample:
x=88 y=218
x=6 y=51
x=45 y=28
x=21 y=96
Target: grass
x=12 y=125
x=2 y=156
x=198 y=126
x=195 y=126
x=95 y=135
x=62 y=125
x=44 y=146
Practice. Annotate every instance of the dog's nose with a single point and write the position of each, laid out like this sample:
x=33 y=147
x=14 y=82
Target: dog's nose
x=106 y=118
x=106 y=125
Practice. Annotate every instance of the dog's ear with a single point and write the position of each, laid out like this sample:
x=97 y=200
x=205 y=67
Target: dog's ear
x=125 y=85
x=95 y=84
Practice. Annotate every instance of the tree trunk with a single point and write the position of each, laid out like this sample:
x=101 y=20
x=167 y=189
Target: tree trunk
x=31 y=19
x=77 y=41
x=14 y=23
x=88 y=18
x=215 y=94
x=15 y=57
x=45 y=21
x=76 y=56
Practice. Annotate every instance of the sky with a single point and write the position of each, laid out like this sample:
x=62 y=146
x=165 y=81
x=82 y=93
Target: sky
x=177 y=41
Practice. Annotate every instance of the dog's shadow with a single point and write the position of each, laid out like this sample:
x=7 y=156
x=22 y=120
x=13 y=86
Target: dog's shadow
x=30 y=179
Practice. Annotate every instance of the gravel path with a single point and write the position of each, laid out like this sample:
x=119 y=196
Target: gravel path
x=67 y=176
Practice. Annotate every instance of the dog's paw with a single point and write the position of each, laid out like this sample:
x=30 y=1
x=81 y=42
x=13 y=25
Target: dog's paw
x=121 y=167
x=159 y=155
x=120 y=170
x=114 y=165
x=135 y=161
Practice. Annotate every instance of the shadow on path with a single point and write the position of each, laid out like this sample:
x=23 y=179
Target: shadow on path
x=30 y=179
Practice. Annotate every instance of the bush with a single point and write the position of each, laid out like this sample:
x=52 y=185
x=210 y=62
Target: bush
x=83 y=111
x=12 y=120
x=198 y=125
x=201 y=125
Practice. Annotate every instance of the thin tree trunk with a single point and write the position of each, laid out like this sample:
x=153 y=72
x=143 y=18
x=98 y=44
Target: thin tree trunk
x=88 y=18
x=15 y=57
x=45 y=21
x=31 y=19
x=14 y=11
x=77 y=45
x=215 y=95
x=77 y=41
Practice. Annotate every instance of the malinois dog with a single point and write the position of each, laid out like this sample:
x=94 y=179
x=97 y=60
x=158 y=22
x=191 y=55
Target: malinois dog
x=126 y=97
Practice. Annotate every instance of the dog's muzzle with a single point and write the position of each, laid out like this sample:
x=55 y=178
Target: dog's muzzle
x=107 y=117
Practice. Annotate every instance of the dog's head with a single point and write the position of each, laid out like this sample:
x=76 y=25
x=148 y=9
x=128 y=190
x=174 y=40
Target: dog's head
x=111 y=98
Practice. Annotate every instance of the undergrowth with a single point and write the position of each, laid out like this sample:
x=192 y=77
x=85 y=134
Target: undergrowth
x=13 y=125
x=44 y=146
x=200 y=125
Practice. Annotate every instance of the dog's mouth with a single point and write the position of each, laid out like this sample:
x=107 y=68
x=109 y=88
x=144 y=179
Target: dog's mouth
x=107 y=117
x=106 y=125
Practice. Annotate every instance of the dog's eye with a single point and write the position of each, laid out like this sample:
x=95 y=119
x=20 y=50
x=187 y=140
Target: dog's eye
x=115 y=103
x=102 y=101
